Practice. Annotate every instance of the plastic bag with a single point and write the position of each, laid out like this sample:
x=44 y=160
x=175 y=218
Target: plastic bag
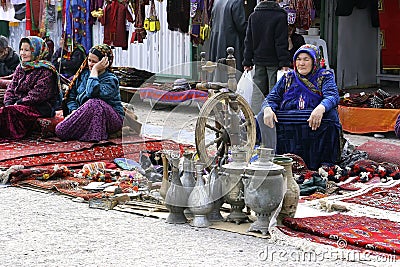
x=245 y=86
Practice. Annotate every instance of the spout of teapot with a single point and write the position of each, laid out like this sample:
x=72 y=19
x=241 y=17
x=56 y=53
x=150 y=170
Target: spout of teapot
x=245 y=180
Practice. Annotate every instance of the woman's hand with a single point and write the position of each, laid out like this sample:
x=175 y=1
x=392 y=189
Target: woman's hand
x=316 y=117
x=269 y=117
x=101 y=66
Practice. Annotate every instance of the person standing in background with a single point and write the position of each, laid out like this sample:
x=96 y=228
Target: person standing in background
x=228 y=28
x=295 y=41
x=266 y=45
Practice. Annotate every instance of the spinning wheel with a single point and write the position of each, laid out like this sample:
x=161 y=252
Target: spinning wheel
x=225 y=120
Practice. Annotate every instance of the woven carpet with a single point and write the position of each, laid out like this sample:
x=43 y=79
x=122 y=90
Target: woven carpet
x=381 y=151
x=31 y=153
x=387 y=198
x=363 y=232
x=70 y=186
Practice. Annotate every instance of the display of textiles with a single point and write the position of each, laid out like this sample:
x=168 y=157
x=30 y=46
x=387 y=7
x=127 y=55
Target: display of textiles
x=131 y=77
x=378 y=99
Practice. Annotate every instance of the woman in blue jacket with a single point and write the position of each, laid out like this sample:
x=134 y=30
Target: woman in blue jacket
x=302 y=107
x=93 y=106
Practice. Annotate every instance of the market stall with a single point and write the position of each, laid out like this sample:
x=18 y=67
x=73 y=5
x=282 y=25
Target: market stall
x=369 y=112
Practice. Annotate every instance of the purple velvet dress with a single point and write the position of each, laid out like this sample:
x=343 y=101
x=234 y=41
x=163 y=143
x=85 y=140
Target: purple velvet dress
x=92 y=122
x=397 y=127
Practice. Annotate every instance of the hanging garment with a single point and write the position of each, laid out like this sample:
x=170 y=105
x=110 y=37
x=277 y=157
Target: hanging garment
x=139 y=33
x=77 y=22
x=94 y=5
x=114 y=21
x=345 y=8
x=178 y=15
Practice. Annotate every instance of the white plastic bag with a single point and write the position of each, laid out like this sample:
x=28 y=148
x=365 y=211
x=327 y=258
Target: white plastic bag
x=245 y=86
x=280 y=74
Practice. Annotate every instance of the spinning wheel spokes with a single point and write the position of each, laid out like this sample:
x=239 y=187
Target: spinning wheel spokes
x=225 y=120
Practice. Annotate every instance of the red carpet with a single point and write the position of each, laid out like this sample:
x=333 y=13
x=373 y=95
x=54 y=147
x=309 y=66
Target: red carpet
x=387 y=198
x=31 y=153
x=31 y=147
x=359 y=251
x=381 y=151
x=364 y=232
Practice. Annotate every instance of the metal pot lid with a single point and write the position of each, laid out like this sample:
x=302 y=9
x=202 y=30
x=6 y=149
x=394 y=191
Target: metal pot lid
x=235 y=165
x=282 y=159
x=264 y=166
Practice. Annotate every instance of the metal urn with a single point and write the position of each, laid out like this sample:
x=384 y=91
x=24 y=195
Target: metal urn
x=188 y=179
x=292 y=195
x=200 y=202
x=216 y=195
x=232 y=186
x=176 y=198
x=264 y=187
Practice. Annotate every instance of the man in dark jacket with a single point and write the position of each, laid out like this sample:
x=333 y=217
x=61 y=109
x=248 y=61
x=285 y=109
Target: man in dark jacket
x=9 y=60
x=266 y=45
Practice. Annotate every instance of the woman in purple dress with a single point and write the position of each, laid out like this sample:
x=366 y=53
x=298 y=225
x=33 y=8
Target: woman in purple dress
x=32 y=93
x=93 y=107
x=397 y=127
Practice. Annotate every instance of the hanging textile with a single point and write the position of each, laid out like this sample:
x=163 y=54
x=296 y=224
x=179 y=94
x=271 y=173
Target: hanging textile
x=4 y=28
x=114 y=21
x=47 y=17
x=95 y=5
x=32 y=16
x=305 y=13
x=77 y=22
x=139 y=33
x=178 y=15
x=389 y=18
x=200 y=28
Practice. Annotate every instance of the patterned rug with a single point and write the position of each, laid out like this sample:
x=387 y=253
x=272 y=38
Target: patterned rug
x=381 y=151
x=350 y=252
x=344 y=230
x=382 y=197
x=71 y=186
x=31 y=147
x=32 y=153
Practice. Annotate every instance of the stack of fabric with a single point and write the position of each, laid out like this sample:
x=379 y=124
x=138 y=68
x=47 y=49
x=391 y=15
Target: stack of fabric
x=378 y=99
x=131 y=77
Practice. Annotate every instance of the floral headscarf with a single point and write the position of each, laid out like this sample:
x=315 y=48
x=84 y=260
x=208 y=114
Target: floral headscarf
x=310 y=80
x=39 y=52
x=100 y=51
x=103 y=50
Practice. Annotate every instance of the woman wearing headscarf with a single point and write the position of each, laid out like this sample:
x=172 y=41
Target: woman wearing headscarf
x=93 y=107
x=32 y=93
x=302 y=107
x=68 y=58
